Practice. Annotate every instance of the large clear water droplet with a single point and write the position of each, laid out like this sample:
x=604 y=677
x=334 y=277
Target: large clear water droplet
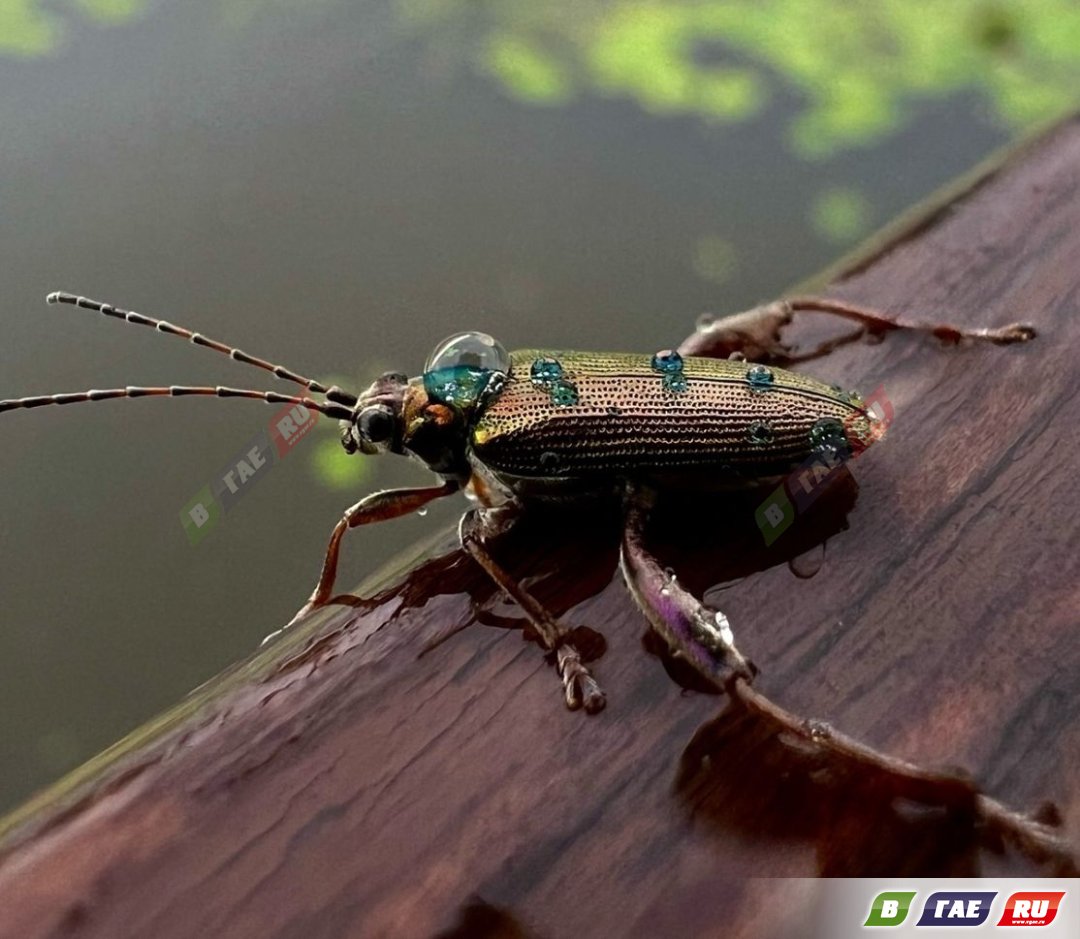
x=470 y=350
x=462 y=367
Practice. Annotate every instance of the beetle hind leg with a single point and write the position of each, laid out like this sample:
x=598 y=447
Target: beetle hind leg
x=580 y=688
x=755 y=334
x=700 y=636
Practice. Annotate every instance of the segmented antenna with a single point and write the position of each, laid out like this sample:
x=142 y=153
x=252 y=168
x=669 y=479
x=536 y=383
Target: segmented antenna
x=176 y=391
x=200 y=340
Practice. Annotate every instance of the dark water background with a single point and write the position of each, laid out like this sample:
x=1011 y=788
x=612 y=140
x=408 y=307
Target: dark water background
x=336 y=187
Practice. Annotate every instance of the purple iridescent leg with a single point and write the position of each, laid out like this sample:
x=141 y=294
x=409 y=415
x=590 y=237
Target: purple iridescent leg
x=699 y=635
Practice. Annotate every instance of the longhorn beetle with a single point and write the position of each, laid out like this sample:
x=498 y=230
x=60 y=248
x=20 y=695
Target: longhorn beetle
x=512 y=430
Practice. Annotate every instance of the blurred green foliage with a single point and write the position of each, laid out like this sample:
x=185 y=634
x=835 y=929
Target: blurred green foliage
x=840 y=214
x=856 y=67
x=336 y=469
x=715 y=259
x=32 y=27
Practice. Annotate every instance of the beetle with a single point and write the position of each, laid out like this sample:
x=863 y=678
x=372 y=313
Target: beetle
x=515 y=430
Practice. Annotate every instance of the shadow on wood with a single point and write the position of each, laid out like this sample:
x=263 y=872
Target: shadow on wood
x=406 y=767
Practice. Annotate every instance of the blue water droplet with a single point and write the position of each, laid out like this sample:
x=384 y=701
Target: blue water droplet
x=545 y=370
x=760 y=377
x=828 y=434
x=675 y=382
x=564 y=394
x=668 y=361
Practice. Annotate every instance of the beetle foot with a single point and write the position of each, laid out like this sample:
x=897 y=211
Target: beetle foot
x=581 y=689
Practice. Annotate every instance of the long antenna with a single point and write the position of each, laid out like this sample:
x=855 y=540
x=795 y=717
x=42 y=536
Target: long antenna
x=200 y=340
x=176 y=391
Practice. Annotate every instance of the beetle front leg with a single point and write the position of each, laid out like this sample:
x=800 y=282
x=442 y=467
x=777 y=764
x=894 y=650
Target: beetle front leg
x=755 y=334
x=377 y=507
x=579 y=687
x=701 y=636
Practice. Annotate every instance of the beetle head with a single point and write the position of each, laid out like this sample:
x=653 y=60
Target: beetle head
x=429 y=416
x=377 y=422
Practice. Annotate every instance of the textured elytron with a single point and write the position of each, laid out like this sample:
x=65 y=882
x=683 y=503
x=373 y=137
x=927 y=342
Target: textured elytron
x=626 y=421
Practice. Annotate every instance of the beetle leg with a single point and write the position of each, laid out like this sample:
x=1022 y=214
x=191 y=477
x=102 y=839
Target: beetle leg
x=753 y=334
x=701 y=636
x=756 y=333
x=377 y=507
x=580 y=688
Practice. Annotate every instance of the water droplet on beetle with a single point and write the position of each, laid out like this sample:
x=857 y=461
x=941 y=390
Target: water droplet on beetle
x=760 y=377
x=675 y=382
x=668 y=361
x=545 y=370
x=761 y=432
x=422 y=511
x=564 y=394
x=828 y=434
x=469 y=350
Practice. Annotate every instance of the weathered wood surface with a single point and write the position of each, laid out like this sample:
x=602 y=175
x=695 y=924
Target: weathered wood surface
x=343 y=784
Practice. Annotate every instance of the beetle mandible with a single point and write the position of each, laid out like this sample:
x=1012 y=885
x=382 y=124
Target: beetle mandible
x=516 y=430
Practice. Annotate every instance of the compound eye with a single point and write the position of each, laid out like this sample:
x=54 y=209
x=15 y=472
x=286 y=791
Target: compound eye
x=461 y=368
x=376 y=425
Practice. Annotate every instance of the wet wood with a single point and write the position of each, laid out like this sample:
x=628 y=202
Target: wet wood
x=405 y=767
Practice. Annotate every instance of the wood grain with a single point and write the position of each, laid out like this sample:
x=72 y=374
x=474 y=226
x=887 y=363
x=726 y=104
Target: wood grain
x=406 y=768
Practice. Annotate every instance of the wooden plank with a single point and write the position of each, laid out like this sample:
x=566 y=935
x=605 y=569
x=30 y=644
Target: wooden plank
x=406 y=767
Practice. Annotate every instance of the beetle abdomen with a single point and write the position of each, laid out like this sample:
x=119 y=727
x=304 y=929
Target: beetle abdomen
x=581 y=415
